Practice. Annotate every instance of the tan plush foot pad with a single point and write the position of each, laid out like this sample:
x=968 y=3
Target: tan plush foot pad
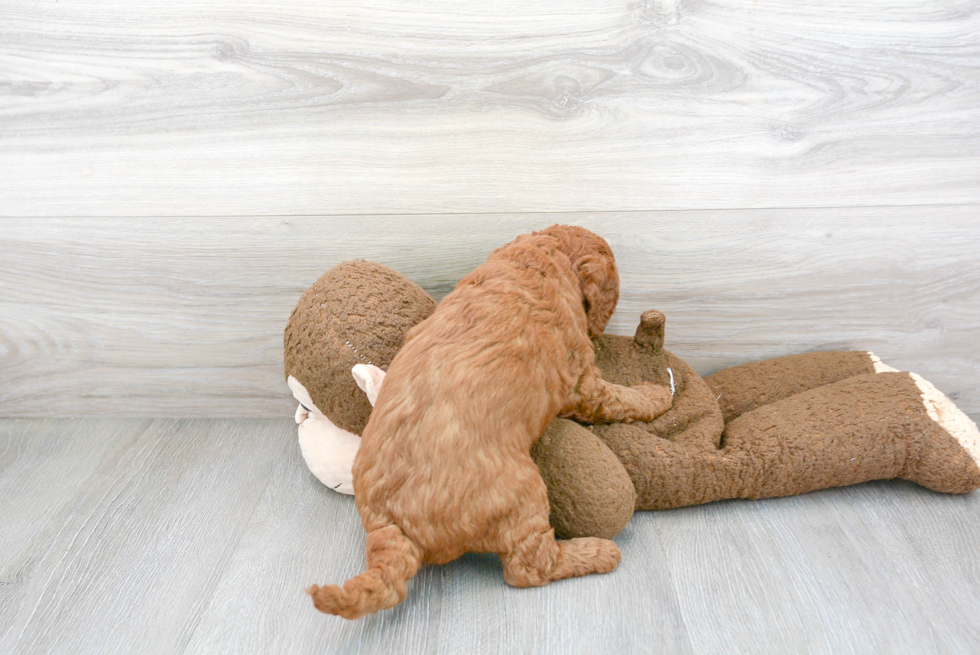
x=949 y=417
x=880 y=366
x=946 y=415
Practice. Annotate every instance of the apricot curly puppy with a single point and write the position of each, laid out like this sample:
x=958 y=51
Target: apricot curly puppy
x=444 y=466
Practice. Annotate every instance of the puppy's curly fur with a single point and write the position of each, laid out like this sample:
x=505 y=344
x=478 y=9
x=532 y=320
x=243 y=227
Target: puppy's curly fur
x=444 y=465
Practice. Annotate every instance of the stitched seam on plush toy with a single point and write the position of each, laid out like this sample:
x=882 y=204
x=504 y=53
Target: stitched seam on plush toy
x=362 y=357
x=347 y=342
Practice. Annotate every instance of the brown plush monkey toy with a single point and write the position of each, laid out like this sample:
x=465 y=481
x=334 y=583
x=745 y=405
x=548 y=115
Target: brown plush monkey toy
x=772 y=428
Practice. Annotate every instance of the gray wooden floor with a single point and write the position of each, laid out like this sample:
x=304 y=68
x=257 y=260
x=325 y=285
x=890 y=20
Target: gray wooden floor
x=198 y=536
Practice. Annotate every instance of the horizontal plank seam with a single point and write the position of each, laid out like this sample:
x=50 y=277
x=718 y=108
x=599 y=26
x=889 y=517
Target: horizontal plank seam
x=494 y=213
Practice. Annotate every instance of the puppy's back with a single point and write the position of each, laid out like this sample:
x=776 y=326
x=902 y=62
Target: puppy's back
x=470 y=391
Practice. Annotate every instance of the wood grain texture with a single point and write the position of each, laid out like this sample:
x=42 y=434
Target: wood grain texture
x=302 y=533
x=44 y=466
x=249 y=108
x=844 y=558
x=198 y=536
x=135 y=553
x=183 y=317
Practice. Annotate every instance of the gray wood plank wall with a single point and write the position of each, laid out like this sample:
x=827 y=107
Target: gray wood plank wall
x=230 y=108
x=776 y=178
x=184 y=316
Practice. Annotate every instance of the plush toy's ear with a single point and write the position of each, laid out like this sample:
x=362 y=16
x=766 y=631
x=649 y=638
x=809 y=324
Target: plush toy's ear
x=369 y=379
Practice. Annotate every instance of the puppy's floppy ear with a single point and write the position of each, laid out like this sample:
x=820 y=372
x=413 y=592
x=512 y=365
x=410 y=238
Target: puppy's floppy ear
x=594 y=265
x=600 y=290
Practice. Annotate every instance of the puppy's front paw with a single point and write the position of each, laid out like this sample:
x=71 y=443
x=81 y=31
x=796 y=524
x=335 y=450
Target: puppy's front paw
x=657 y=400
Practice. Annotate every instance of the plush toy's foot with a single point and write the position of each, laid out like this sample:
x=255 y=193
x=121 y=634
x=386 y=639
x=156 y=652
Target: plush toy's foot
x=879 y=366
x=948 y=458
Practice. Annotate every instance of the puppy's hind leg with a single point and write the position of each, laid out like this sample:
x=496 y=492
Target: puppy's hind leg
x=537 y=558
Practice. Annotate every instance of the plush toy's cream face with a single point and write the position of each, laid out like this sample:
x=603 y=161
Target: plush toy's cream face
x=307 y=408
x=329 y=451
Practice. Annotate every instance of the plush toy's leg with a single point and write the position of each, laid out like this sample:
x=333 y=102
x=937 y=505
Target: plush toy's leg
x=867 y=427
x=931 y=465
x=741 y=389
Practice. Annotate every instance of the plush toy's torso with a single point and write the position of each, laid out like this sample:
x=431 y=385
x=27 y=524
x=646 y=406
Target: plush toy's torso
x=695 y=412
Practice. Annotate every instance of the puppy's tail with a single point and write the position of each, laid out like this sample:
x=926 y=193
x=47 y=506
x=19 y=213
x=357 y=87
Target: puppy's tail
x=392 y=560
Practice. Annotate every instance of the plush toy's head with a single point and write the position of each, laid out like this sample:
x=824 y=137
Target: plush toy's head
x=357 y=313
